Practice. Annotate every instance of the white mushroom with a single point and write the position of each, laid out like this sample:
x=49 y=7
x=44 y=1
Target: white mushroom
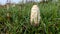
x=35 y=15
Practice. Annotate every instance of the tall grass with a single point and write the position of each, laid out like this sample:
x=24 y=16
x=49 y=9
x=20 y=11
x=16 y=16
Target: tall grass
x=19 y=23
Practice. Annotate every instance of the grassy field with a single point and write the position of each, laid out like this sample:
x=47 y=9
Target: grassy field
x=19 y=20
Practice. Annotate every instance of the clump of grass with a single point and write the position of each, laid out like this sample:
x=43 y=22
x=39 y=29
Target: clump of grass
x=21 y=19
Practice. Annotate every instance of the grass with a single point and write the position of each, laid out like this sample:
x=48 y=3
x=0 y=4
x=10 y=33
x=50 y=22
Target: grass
x=19 y=22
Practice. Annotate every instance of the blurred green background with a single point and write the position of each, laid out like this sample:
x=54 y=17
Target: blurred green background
x=19 y=20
